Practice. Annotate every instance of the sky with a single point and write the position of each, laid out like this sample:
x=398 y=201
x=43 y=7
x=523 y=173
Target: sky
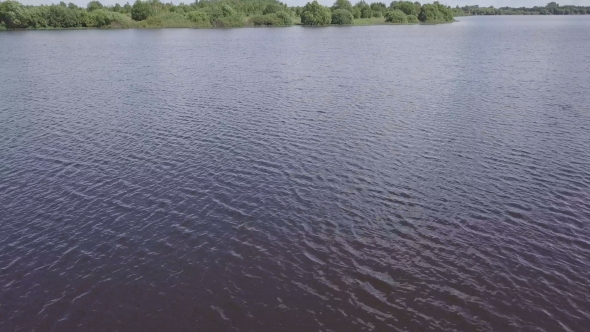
x=481 y=3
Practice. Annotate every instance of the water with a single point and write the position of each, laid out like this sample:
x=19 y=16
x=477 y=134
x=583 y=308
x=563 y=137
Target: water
x=335 y=179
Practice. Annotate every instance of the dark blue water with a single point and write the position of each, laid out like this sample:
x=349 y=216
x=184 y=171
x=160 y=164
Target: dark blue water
x=385 y=178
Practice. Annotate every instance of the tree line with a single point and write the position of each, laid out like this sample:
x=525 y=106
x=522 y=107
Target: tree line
x=551 y=8
x=238 y=13
x=343 y=12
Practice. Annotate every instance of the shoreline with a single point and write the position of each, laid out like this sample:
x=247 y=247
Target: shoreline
x=225 y=28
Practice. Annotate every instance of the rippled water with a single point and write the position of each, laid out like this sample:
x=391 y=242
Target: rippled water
x=379 y=178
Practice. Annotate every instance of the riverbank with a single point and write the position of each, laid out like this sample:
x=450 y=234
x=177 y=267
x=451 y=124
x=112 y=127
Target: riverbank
x=222 y=14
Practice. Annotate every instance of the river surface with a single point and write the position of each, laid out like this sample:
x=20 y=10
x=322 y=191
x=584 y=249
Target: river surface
x=385 y=178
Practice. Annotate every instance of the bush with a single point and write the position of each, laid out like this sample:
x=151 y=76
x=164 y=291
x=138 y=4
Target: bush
x=396 y=16
x=152 y=22
x=278 y=19
x=315 y=14
x=172 y=20
x=263 y=20
x=61 y=17
x=356 y=12
x=412 y=19
x=435 y=13
x=342 y=17
x=284 y=18
x=233 y=21
x=101 y=17
x=227 y=11
x=200 y=19
x=377 y=14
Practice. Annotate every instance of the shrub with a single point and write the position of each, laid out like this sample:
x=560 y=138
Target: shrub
x=356 y=12
x=366 y=12
x=284 y=18
x=101 y=17
x=377 y=14
x=227 y=11
x=169 y=20
x=278 y=19
x=342 y=17
x=61 y=17
x=261 y=20
x=435 y=13
x=233 y=21
x=153 y=22
x=200 y=19
x=104 y=18
x=412 y=19
x=315 y=14
x=396 y=16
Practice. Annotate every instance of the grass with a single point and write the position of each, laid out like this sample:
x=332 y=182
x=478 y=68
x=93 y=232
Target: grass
x=369 y=21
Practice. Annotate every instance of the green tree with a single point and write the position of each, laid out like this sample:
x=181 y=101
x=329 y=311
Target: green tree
x=428 y=13
x=396 y=16
x=378 y=7
x=342 y=17
x=141 y=10
x=407 y=7
x=418 y=7
x=94 y=5
x=14 y=15
x=366 y=12
x=356 y=12
x=62 y=17
x=342 y=4
x=436 y=13
x=315 y=14
x=272 y=8
x=284 y=18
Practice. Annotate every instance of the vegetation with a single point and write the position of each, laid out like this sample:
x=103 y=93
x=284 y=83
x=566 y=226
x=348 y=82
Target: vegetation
x=237 y=13
x=396 y=16
x=551 y=8
x=412 y=19
x=207 y=14
x=342 y=17
x=315 y=14
x=435 y=13
x=280 y=18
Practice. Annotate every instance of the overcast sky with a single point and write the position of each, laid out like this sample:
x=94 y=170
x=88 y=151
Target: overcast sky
x=486 y=3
